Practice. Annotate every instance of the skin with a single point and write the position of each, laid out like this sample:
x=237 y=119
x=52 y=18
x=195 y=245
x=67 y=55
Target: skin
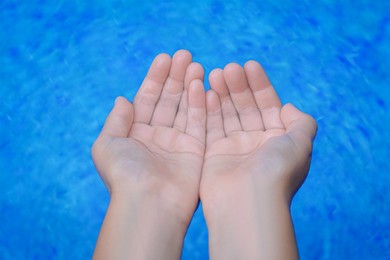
x=157 y=157
x=149 y=155
x=257 y=156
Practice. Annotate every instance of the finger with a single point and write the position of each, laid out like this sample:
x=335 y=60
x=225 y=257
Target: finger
x=150 y=90
x=120 y=119
x=196 y=120
x=194 y=71
x=214 y=127
x=265 y=95
x=300 y=126
x=242 y=97
x=166 y=109
x=231 y=122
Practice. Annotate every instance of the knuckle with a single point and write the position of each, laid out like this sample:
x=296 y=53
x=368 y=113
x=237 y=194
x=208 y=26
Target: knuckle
x=95 y=148
x=98 y=146
x=312 y=122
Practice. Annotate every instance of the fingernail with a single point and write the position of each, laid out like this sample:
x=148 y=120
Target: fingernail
x=116 y=100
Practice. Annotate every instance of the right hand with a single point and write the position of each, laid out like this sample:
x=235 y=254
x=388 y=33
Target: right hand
x=253 y=143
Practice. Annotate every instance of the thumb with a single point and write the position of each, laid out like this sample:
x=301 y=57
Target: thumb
x=300 y=126
x=120 y=119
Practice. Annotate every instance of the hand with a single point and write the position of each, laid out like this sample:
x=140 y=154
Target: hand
x=251 y=137
x=158 y=146
x=257 y=156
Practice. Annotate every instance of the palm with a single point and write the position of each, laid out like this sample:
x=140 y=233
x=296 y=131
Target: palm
x=158 y=156
x=177 y=156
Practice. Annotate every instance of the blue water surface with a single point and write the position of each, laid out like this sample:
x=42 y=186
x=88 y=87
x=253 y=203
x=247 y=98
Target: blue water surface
x=62 y=63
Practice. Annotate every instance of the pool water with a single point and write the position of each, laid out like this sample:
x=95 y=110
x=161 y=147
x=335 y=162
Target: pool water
x=62 y=63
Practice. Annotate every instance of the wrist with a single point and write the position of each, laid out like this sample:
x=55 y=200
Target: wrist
x=135 y=226
x=243 y=196
x=152 y=204
x=248 y=224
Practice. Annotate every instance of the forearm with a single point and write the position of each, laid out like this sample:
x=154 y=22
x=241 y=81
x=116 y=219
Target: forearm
x=139 y=228
x=251 y=224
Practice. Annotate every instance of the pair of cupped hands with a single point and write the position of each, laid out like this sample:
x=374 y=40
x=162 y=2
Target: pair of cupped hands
x=178 y=143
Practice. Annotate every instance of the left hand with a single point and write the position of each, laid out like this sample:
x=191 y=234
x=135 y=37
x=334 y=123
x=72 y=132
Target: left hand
x=156 y=147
